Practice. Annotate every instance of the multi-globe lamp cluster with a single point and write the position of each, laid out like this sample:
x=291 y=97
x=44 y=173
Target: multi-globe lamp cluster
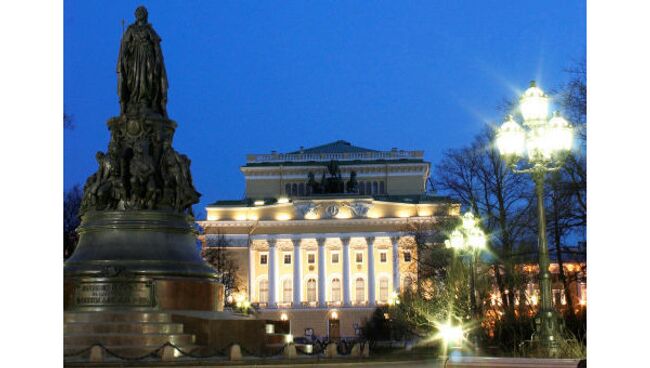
x=540 y=146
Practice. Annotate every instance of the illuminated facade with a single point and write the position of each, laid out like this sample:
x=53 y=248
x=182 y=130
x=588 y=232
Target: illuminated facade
x=326 y=259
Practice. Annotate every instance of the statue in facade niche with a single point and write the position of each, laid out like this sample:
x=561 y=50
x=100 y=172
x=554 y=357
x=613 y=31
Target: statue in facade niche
x=142 y=79
x=312 y=185
x=334 y=183
x=352 y=186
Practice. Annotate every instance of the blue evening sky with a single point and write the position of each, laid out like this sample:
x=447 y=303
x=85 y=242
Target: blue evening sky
x=255 y=76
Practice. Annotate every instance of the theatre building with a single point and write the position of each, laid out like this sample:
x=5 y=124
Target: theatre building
x=321 y=237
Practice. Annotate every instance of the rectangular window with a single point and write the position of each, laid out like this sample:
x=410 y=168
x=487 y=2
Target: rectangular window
x=382 y=257
x=335 y=258
x=287 y=259
x=311 y=258
x=359 y=257
x=407 y=256
x=264 y=259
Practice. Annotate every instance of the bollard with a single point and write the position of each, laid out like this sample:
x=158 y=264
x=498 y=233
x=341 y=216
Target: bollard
x=96 y=354
x=356 y=350
x=168 y=353
x=408 y=346
x=330 y=350
x=234 y=353
x=365 y=351
x=289 y=351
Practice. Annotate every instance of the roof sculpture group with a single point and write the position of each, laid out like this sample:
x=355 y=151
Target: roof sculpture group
x=141 y=170
x=332 y=184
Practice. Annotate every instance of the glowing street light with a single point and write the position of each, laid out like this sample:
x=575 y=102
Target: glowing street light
x=469 y=238
x=545 y=143
x=452 y=335
x=393 y=299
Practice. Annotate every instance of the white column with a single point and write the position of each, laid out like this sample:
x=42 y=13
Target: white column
x=370 y=240
x=251 y=271
x=395 y=241
x=272 y=274
x=346 y=271
x=297 y=274
x=321 y=271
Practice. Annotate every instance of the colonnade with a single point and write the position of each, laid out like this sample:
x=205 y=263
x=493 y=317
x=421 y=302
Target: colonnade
x=371 y=242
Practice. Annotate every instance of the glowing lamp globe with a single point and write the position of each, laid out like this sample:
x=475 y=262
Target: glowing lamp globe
x=539 y=144
x=468 y=220
x=477 y=239
x=533 y=104
x=560 y=133
x=452 y=335
x=511 y=139
x=457 y=240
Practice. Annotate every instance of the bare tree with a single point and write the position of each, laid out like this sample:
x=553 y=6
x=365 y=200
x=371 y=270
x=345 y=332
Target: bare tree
x=476 y=176
x=71 y=203
x=216 y=254
x=566 y=189
x=68 y=121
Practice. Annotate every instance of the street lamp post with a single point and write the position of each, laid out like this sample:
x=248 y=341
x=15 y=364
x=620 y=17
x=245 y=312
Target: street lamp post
x=546 y=143
x=469 y=238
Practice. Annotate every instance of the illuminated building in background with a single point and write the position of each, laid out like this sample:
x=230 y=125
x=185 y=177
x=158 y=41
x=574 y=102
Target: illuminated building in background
x=324 y=250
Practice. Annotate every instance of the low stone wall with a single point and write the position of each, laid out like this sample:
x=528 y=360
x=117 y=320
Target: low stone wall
x=189 y=294
x=216 y=331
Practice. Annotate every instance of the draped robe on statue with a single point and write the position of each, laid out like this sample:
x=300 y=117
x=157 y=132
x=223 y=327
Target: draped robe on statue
x=142 y=79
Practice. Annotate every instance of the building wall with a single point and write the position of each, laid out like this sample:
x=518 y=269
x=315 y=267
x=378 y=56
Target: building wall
x=318 y=319
x=290 y=211
x=398 y=179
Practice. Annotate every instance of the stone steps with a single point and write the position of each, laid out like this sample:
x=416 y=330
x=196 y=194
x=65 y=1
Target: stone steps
x=117 y=316
x=127 y=339
x=122 y=327
x=125 y=351
x=126 y=333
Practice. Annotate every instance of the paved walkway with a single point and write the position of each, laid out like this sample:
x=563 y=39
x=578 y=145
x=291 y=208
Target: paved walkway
x=378 y=363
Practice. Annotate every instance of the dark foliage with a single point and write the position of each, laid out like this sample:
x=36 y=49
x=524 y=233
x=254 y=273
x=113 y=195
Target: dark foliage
x=71 y=203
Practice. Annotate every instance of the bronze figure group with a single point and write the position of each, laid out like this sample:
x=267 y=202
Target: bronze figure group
x=141 y=170
x=333 y=183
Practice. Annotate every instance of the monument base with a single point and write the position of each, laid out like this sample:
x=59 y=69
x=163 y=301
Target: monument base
x=142 y=294
x=139 y=260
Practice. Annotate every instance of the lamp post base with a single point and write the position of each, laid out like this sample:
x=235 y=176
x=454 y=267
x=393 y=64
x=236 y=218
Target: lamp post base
x=548 y=337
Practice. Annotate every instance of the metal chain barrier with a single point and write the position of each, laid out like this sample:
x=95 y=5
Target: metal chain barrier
x=343 y=348
x=216 y=352
x=264 y=355
x=82 y=351
x=317 y=348
x=151 y=354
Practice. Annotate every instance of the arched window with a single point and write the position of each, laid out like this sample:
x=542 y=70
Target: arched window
x=362 y=188
x=294 y=189
x=383 y=289
x=287 y=291
x=301 y=189
x=311 y=290
x=336 y=290
x=264 y=291
x=287 y=189
x=360 y=289
x=382 y=187
x=375 y=188
x=368 y=188
x=408 y=282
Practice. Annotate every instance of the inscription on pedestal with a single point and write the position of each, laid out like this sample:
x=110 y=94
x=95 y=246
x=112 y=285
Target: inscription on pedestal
x=114 y=294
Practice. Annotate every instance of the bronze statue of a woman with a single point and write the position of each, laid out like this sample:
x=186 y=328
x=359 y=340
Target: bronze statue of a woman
x=142 y=79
